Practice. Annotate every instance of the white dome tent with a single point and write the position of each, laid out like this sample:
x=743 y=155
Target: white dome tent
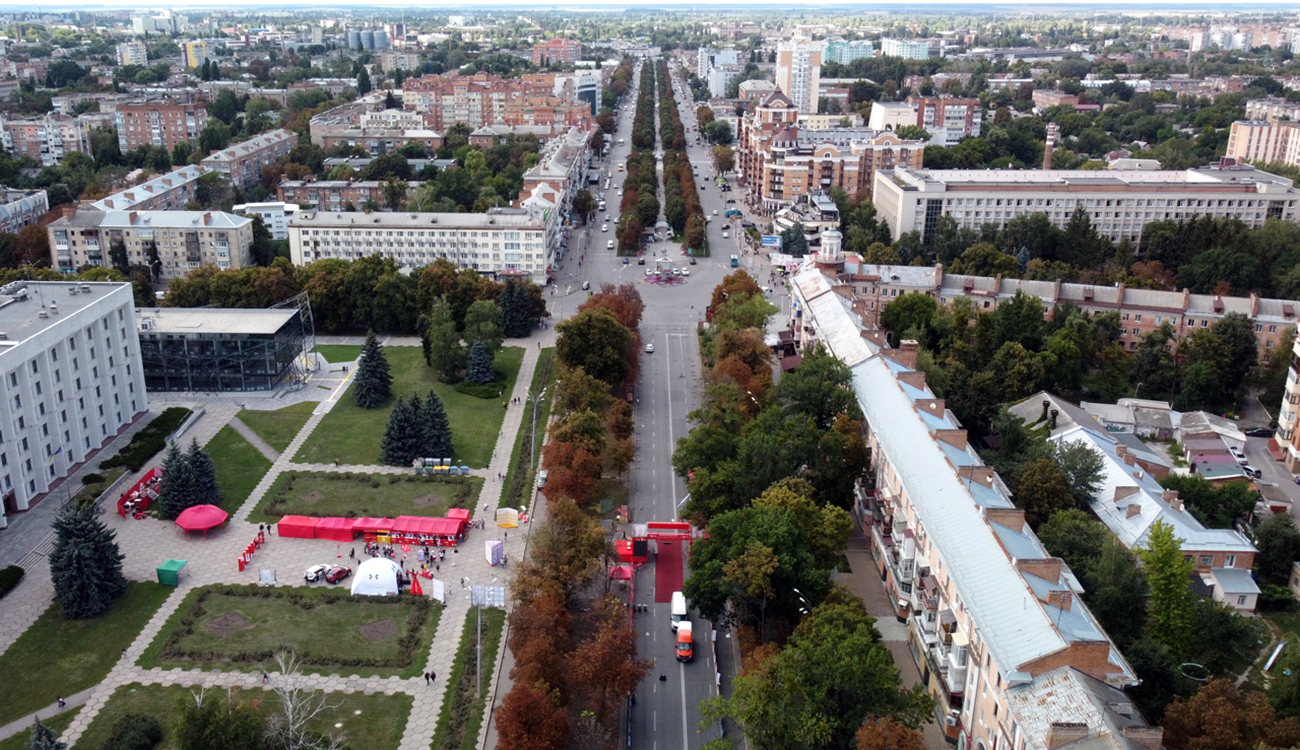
x=376 y=577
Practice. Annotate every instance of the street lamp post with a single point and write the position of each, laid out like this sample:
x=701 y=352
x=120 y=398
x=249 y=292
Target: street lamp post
x=532 y=438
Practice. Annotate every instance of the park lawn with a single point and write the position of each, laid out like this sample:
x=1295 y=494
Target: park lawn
x=462 y=711
x=278 y=428
x=57 y=656
x=231 y=626
x=370 y=722
x=337 y=354
x=92 y=491
x=325 y=494
x=351 y=434
x=240 y=466
x=56 y=723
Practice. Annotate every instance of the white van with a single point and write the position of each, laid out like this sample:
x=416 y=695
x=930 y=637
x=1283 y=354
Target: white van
x=679 y=609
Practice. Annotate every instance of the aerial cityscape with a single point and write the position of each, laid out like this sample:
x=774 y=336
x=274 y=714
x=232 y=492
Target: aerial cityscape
x=673 y=376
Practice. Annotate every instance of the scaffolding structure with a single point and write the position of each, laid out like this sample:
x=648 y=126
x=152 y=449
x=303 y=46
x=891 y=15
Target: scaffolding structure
x=307 y=361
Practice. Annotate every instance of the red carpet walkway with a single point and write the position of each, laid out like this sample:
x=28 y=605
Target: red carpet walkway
x=668 y=570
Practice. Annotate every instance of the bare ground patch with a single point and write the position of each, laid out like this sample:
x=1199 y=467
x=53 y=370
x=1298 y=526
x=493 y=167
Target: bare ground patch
x=378 y=631
x=227 y=624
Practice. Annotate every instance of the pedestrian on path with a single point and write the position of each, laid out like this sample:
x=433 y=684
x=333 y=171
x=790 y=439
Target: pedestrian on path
x=336 y=462
x=62 y=702
x=265 y=677
x=353 y=554
x=433 y=676
x=426 y=678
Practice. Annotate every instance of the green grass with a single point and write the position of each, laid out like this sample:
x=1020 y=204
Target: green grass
x=278 y=428
x=320 y=634
x=323 y=494
x=352 y=434
x=240 y=466
x=89 y=492
x=57 y=656
x=56 y=723
x=339 y=353
x=520 y=479
x=462 y=711
x=378 y=726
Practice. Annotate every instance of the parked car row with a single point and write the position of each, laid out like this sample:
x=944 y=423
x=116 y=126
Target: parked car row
x=326 y=573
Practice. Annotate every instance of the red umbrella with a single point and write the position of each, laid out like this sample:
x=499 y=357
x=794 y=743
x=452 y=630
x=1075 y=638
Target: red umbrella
x=201 y=518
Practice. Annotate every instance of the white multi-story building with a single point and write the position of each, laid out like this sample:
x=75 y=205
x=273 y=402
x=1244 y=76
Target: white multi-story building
x=275 y=215
x=173 y=243
x=1265 y=141
x=706 y=58
x=844 y=52
x=70 y=364
x=502 y=241
x=1272 y=108
x=799 y=72
x=132 y=53
x=908 y=49
x=1120 y=204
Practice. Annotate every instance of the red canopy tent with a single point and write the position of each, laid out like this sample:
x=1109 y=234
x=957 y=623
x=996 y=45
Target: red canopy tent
x=201 y=518
x=458 y=514
x=336 y=529
x=453 y=527
x=297 y=527
x=141 y=493
x=372 y=528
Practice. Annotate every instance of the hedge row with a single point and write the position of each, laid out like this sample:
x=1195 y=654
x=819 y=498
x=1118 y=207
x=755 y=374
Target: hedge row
x=149 y=441
x=9 y=578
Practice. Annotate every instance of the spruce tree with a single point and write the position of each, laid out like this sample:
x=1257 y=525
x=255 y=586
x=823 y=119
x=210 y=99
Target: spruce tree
x=205 y=475
x=44 y=738
x=374 y=382
x=478 y=368
x=514 y=311
x=446 y=353
x=436 y=438
x=85 y=564
x=178 y=488
x=401 y=442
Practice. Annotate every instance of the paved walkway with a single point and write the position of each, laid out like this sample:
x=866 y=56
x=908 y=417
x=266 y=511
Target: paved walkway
x=865 y=582
x=256 y=440
x=214 y=560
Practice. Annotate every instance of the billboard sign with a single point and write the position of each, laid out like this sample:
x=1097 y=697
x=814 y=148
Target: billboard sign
x=772 y=240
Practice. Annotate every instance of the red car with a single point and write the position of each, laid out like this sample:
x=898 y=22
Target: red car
x=337 y=573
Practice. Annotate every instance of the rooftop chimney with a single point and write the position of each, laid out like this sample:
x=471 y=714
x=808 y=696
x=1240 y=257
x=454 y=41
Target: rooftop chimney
x=1132 y=510
x=1062 y=733
x=1151 y=738
x=1046 y=568
x=1012 y=518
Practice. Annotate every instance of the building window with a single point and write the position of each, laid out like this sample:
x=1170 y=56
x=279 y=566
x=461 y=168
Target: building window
x=1230 y=561
x=1206 y=560
x=1241 y=600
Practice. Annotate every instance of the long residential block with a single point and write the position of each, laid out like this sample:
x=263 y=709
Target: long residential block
x=172 y=243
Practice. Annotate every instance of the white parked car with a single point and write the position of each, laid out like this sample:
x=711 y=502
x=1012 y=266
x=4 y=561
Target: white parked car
x=315 y=573
x=715 y=212
x=686 y=272
x=650 y=348
x=609 y=245
x=604 y=227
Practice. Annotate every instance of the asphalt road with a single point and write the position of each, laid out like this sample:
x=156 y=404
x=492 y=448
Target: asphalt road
x=666 y=712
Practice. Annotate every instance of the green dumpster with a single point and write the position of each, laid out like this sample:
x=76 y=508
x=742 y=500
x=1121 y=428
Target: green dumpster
x=169 y=573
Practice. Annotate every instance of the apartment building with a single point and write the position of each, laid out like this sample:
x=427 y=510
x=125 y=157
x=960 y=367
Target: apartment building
x=275 y=215
x=1140 y=311
x=503 y=242
x=46 y=139
x=909 y=49
x=379 y=141
x=172 y=242
x=997 y=627
x=959 y=118
x=845 y=52
x=1265 y=142
x=1272 y=108
x=798 y=72
x=399 y=61
x=18 y=208
x=195 y=52
x=1288 y=436
x=132 y=53
x=337 y=195
x=242 y=163
x=1046 y=98
x=561 y=51
x=779 y=161
x=478 y=100
x=1121 y=203
x=162 y=123
x=168 y=192
x=72 y=382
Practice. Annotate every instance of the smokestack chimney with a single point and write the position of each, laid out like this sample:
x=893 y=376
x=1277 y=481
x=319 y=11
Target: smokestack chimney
x=1055 y=414
x=1046 y=404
